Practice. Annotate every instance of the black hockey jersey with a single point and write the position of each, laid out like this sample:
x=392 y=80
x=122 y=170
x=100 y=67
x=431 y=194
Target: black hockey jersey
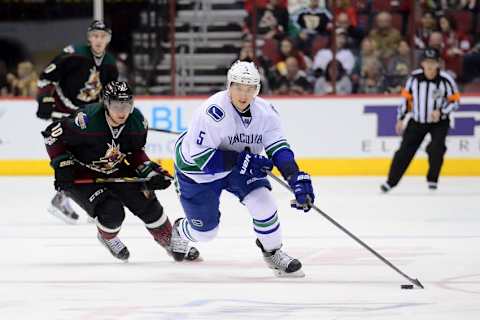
x=76 y=77
x=98 y=149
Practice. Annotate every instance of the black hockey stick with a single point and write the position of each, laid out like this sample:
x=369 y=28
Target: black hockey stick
x=111 y=180
x=415 y=282
x=164 y=131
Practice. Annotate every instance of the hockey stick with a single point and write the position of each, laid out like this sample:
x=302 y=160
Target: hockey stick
x=164 y=131
x=415 y=282
x=111 y=180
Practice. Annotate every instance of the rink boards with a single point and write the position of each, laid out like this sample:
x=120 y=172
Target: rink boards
x=330 y=136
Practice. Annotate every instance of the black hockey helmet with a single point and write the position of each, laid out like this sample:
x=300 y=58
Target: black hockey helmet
x=99 y=25
x=117 y=95
x=431 y=53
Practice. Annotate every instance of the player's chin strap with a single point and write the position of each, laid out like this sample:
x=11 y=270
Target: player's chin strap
x=415 y=282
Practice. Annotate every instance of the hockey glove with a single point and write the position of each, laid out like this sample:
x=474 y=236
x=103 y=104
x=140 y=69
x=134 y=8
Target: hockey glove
x=64 y=167
x=46 y=105
x=253 y=165
x=159 y=178
x=301 y=185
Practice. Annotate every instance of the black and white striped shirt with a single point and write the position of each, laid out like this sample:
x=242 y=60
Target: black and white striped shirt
x=423 y=96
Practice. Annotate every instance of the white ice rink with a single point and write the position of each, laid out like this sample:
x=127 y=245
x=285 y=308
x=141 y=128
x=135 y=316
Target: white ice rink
x=49 y=270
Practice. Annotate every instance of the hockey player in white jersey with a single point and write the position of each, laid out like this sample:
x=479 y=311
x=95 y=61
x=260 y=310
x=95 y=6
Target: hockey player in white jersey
x=222 y=151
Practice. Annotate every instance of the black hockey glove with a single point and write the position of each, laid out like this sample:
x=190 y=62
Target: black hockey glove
x=46 y=105
x=301 y=185
x=159 y=178
x=64 y=172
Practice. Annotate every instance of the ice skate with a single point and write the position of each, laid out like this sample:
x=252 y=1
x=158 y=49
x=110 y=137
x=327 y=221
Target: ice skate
x=116 y=247
x=164 y=234
x=179 y=248
x=60 y=208
x=432 y=186
x=282 y=264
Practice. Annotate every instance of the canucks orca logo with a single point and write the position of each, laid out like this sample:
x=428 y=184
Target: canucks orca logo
x=216 y=112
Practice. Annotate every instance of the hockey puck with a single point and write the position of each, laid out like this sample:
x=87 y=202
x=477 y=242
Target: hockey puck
x=406 y=286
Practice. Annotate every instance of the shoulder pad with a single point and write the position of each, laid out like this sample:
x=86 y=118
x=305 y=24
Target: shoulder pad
x=138 y=120
x=81 y=120
x=109 y=59
x=69 y=49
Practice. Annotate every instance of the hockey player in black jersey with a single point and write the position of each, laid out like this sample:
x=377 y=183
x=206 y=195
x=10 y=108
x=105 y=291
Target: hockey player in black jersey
x=106 y=140
x=75 y=78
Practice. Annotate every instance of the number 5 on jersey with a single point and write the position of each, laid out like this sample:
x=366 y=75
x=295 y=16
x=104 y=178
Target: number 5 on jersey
x=200 y=137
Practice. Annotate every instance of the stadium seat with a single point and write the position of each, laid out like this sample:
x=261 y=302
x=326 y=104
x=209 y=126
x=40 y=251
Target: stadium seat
x=319 y=42
x=381 y=5
x=464 y=20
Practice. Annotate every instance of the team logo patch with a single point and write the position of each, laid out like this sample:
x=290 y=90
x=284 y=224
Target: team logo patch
x=197 y=223
x=215 y=112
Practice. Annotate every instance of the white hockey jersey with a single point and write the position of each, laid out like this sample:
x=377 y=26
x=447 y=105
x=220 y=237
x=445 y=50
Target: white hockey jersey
x=217 y=125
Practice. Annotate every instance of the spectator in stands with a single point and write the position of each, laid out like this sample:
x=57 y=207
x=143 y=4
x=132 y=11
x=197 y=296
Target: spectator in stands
x=344 y=55
x=436 y=41
x=371 y=80
x=122 y=66
x=471 y=64
x=398 y=69
x=324 y=84
x=428 y=24
x=287 y=49
x=368 y=53
x=294 y=82
x=3 y=79
x=349 y=9
x=25 y=82
x=354 y=34
x=272 y=20
x=456 y=43
x=263 y=63
x=440 y=6
x=311 y=21
x=385 y=35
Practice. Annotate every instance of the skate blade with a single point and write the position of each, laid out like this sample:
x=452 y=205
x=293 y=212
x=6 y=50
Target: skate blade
x=283 y=274
x=199 y=259
x=57 y=213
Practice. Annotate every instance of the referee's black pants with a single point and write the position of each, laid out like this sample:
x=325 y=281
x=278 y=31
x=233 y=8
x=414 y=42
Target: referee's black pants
x=411 y=141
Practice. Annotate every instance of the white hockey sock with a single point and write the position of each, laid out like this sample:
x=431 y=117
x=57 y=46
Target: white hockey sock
x=188 y=233
x=266 y=223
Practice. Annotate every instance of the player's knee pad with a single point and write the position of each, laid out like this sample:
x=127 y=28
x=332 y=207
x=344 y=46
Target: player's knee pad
x=260 y=203
x=151 y=212
x=203 y=236
x=109 y=213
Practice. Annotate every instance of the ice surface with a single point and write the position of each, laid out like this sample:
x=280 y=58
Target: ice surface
x=50 y=270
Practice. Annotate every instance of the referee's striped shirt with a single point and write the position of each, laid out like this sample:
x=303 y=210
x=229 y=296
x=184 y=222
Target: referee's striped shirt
x=422 y=96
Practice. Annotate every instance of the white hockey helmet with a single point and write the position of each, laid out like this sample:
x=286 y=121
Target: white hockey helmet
x=245 y=73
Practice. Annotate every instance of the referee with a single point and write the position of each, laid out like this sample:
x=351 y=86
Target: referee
x=430 y=95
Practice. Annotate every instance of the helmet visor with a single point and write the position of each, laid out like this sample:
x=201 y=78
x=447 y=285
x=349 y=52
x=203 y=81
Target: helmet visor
x=120 y=106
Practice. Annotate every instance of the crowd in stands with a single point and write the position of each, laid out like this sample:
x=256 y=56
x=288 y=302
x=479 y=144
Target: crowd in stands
x=362 y=46
x=376 y=45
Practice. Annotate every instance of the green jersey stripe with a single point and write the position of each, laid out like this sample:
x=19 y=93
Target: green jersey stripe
x=270 y=152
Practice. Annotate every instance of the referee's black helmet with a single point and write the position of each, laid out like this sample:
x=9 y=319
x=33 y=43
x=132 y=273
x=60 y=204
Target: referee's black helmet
x=431 y=53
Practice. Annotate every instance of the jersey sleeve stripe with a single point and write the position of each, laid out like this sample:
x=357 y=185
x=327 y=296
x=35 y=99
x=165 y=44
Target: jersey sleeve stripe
x=203 y=160
x=270 y=152
x=200 y=154
x=182 y=164
x=273 y=144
